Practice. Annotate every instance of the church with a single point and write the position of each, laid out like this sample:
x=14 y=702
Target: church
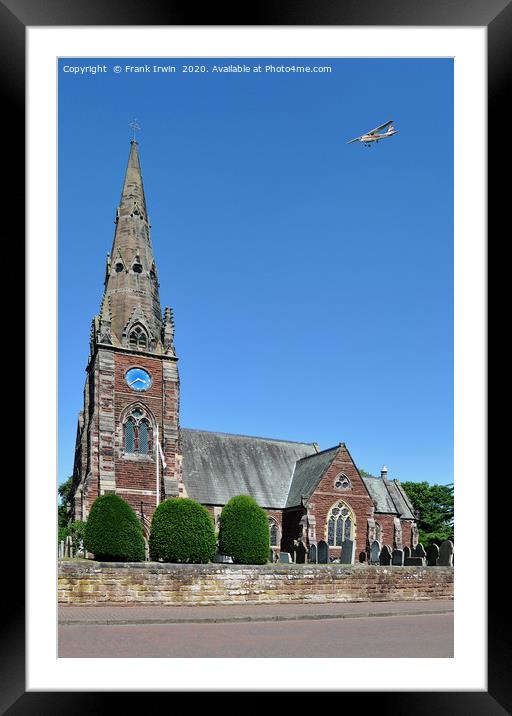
x=130 y=442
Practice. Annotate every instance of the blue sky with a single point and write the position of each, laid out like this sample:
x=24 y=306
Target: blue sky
x=311 y=280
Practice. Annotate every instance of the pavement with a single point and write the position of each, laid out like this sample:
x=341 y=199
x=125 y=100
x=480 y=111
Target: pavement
x=232 y=613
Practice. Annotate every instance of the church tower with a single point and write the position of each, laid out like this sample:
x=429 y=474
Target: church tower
x=128 y=431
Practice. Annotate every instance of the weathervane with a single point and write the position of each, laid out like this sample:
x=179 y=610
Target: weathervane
x=135 y=128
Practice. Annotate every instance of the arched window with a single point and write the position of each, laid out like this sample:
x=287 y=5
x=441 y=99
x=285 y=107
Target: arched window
x=129 y=435
x=340 y=524
x=143 y=437
x=274 y=532
x=138 y=338
x=137 y=433
x=342 y=482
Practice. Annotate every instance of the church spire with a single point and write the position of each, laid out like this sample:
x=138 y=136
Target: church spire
x=131 y=316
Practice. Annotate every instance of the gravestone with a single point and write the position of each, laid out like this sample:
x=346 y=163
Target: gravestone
x=432 y=555
x=375 y=553
x=446 y=554
x=285 y=558
x=271 y=555
x=348 y=551
x=300 y=553
x=323 y=552
x=312 y=554
x=407 y=552
x=414 y=562
x=362 y=557
x=223 y=558
x=419 y=551
x=397 y=558
x=385 y=556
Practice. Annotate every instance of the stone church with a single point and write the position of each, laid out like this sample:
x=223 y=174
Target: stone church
x=130 y=442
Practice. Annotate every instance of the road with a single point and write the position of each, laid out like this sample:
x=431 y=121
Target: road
x=402 y=630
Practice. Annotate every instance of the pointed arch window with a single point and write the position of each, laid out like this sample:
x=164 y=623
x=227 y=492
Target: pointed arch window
x=138 y=338
x=138 y=433
x=274 y=532
x=340 y=524
x=342 y=482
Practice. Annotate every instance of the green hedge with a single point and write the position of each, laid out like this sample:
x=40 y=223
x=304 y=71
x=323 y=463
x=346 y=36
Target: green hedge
x=182 y=531
x=244 y=533
x=113 y=532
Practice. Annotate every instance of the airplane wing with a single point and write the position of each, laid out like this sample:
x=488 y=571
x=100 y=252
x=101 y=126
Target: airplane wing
x=382 y=126
x=354 y=140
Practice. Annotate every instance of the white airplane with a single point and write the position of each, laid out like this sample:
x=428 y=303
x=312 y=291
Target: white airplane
x=374 y=135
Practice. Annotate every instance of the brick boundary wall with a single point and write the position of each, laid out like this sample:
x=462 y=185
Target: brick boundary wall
x=157 y=584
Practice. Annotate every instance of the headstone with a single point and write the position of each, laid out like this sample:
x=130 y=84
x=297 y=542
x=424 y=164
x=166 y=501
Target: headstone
x=375 y=553
x=385 y=556
x=223 y=558
x=446 y=554
x=414 y=562
x=348 y=551
x=313 y=554
x=323 y=552
x=300 y=553
x=397 y=558
x=419 y=551
x=362 y=557
x=407 y=552
x=432 y=555
x=271 y=556
x=285 y=558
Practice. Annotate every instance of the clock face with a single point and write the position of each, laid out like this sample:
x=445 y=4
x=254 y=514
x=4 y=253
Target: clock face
x=138 y=379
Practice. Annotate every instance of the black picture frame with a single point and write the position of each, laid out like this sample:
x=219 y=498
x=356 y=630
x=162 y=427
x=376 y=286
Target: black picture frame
x=496 y=16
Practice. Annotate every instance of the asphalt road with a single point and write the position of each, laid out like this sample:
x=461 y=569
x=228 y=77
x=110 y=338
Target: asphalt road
x=400 y=635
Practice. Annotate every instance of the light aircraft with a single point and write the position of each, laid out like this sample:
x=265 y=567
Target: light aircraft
x=374 y=135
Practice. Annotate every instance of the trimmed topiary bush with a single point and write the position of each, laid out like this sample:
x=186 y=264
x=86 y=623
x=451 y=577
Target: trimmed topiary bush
x=113 y=532
x=244 y=533
x=182 y=531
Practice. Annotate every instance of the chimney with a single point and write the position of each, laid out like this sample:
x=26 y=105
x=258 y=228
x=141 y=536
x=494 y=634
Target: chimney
x=384 y=472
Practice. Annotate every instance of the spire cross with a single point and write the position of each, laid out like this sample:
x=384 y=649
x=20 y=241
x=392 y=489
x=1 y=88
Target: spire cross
x=135 y=128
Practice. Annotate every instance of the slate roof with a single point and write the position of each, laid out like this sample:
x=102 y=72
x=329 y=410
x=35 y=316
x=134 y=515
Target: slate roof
x=217 y=466
x=277 y=473
x=308 y=472
x=389 y=497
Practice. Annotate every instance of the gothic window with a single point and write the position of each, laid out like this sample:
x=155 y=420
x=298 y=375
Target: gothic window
x=274 y=532
x=143 y=437
x=138 y=338
x=137 y=433
x=342 y=482
x=119 y=267
x=137 y=267
x=340 y=524
x=129 y=435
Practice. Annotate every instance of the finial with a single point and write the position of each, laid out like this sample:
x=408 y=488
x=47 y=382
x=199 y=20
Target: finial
x=136 y=128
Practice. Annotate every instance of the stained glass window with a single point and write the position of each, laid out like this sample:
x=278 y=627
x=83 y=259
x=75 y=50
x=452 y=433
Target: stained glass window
x=129 y=436
x=273 y=533
x=143 y=438
x=339 y=524
x=330 y=532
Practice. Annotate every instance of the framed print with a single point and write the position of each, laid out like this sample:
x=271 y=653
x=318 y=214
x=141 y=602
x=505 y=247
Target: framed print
x=82 y=35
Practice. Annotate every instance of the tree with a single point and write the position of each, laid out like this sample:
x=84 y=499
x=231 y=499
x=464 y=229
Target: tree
x=113 y=532
x=244 y=532
x=435 y=506
x=363 y=473
x=182 y=531
x=64 y=491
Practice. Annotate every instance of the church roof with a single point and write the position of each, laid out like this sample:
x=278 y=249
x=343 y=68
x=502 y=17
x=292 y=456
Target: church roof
x=388 y=497
x=218 y=466
x=307 y=474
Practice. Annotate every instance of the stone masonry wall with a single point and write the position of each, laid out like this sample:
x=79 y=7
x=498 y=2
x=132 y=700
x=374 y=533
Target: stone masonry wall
x=202 y=584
